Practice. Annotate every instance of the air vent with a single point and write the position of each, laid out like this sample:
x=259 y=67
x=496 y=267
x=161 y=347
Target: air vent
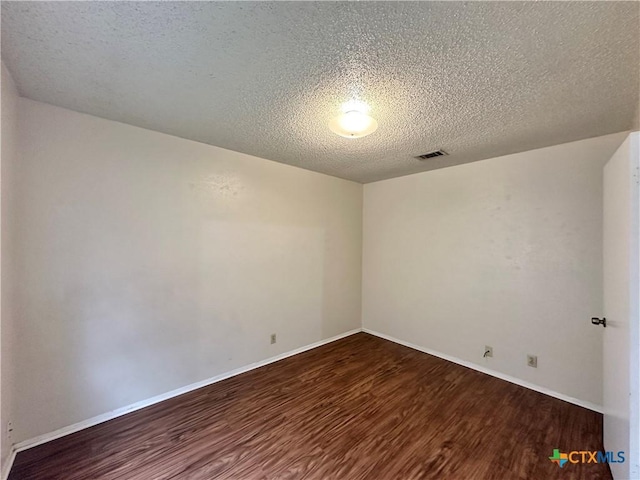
x=437 y=153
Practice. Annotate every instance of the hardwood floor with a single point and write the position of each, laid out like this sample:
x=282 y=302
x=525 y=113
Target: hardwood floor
x=361 y=407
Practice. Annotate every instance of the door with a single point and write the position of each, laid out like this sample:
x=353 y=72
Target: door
x=621 y=289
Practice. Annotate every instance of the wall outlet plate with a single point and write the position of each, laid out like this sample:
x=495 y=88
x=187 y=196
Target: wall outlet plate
x=532 y=361
x=488 y=351
x=273 y=338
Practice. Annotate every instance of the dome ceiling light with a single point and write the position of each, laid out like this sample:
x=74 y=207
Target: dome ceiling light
x=354 y=122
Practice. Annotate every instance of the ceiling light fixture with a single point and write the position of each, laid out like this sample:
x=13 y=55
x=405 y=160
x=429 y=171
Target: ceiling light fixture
x=353 y=123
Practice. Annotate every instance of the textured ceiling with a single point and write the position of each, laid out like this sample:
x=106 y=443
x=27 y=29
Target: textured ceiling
x=476 y=79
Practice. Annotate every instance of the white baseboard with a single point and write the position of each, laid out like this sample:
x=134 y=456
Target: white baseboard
x=76 y=427
x=493 y=373
x=33 y=442
x=8 y=463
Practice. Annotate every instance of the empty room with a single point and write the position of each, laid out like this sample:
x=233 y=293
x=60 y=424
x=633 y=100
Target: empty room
x=320 y=240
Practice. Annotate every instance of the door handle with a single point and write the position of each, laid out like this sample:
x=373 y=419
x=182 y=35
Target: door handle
x=599 y=321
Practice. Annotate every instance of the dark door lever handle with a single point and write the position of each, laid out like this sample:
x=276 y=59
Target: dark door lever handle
x=599 y=321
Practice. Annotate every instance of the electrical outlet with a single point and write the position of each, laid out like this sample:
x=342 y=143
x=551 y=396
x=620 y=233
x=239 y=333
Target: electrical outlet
x=532 y=361
x=9 y=429
x=488 y=351
x=273 y=338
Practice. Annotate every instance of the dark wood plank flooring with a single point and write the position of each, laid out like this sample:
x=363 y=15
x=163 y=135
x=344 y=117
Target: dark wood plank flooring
x=361 y=407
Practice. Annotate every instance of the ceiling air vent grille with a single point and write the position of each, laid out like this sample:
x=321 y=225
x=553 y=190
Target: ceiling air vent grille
x=437 y=153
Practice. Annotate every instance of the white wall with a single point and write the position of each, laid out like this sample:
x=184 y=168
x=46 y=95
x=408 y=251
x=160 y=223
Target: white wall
x=505 y=252
x=9 y=152
x=148 y=262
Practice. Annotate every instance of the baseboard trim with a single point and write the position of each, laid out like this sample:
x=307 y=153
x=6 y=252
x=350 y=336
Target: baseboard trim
x=493 y=373
x=8 y=463
x=76 y=427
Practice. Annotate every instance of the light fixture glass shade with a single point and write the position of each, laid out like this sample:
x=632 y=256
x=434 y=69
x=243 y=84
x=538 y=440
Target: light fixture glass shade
x=353 y=124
